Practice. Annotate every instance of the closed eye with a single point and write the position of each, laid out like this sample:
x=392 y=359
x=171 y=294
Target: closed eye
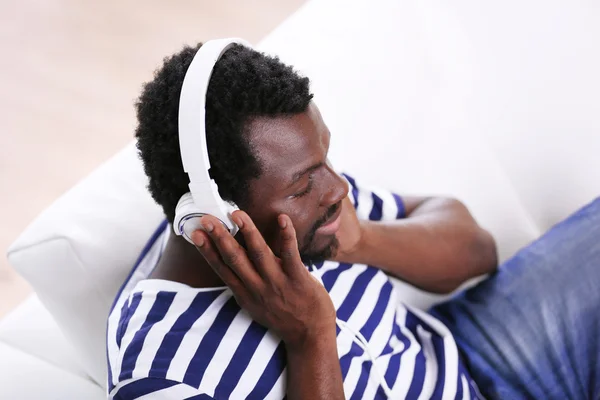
x=307 y=190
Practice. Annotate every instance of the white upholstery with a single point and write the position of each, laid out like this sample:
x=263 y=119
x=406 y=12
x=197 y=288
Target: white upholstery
x=493 y=103
x=93 y=235
x=25 y=377
x=37 y=362
x=31 y=329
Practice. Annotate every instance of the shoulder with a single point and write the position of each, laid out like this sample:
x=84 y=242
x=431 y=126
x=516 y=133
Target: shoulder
x=200 y=338
x=374 y=203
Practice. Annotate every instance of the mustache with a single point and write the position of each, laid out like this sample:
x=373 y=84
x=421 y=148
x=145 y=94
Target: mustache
x=331 y=212
x=320 y=222
x=305 y=252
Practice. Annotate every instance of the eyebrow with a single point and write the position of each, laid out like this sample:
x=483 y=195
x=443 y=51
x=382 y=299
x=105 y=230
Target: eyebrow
x=298 y=175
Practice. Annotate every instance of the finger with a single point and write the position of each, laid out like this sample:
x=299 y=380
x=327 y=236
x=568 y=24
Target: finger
x=232 y=254
x=289 y=245
x=205 y=246
x=258 y=250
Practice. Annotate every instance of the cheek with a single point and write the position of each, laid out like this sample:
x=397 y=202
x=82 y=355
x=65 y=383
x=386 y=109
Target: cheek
x=303 y=220
x=303 y=212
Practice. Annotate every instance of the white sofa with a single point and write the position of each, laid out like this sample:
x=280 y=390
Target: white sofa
x=496 y=104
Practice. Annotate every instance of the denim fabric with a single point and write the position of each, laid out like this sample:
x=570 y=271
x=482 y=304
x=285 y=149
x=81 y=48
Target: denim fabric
x=532 y=330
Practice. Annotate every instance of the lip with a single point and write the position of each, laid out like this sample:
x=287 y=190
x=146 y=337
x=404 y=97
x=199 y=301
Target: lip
x=332 y=225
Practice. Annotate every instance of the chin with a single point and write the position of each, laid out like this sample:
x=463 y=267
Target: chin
x=314 y=254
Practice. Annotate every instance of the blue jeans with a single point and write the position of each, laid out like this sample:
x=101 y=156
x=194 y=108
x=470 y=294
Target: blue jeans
x=532 y=330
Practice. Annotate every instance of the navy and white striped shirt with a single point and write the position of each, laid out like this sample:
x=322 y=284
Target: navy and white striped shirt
x=167 y=340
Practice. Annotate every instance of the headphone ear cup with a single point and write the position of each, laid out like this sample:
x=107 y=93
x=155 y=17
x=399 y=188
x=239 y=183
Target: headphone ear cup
x=187 y=217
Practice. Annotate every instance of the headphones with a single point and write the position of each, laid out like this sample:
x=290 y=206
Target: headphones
x=203 y=197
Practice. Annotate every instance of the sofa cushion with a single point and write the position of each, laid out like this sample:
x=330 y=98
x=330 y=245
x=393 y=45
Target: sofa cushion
x=25 y=377
x=31 y=329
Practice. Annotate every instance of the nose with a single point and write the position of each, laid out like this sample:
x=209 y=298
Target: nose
x=337 y=188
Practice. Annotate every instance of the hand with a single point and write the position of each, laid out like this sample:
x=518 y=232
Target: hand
x=350 y=233
x=278 y=293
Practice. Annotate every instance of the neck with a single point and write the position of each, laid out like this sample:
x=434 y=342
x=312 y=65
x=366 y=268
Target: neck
x=182 y=262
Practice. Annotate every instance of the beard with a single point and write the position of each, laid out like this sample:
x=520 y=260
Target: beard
x=308 y=252
x=311 y=256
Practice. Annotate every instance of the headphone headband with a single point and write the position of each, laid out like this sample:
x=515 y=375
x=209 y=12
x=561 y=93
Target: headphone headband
x=192 y=113
x=203 y=197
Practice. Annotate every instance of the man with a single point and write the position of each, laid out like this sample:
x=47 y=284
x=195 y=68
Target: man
x=299 y=303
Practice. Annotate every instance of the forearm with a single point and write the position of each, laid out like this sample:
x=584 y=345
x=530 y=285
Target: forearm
x=437 y=248
x=313 y=369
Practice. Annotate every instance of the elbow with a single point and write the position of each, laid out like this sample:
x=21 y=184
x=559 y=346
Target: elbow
x=480 y=253
x=479 y=258
x=484 y=253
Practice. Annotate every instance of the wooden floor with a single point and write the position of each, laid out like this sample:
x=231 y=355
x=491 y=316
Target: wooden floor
x=70 y=71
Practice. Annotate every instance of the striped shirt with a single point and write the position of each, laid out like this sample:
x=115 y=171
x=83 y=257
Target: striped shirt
x=167 y=340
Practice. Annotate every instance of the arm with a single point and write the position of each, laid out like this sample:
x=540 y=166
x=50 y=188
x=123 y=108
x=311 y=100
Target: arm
x=280 y=294
x=437 y=247
x=313 y=369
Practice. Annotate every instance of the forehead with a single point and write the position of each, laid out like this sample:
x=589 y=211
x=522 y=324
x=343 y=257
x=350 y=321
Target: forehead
x=287 y=144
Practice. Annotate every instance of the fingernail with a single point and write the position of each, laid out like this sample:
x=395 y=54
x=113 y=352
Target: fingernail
x=198 y=239
x=208 y=226
x=238 y=221
x=282 y=223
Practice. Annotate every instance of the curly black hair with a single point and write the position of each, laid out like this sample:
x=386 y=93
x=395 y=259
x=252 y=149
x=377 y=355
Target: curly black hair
x=244 y=84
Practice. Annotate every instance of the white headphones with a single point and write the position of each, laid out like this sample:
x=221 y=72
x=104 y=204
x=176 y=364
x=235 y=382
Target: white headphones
x=203 y=197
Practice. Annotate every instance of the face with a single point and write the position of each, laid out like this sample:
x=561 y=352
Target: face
x=296 y=180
